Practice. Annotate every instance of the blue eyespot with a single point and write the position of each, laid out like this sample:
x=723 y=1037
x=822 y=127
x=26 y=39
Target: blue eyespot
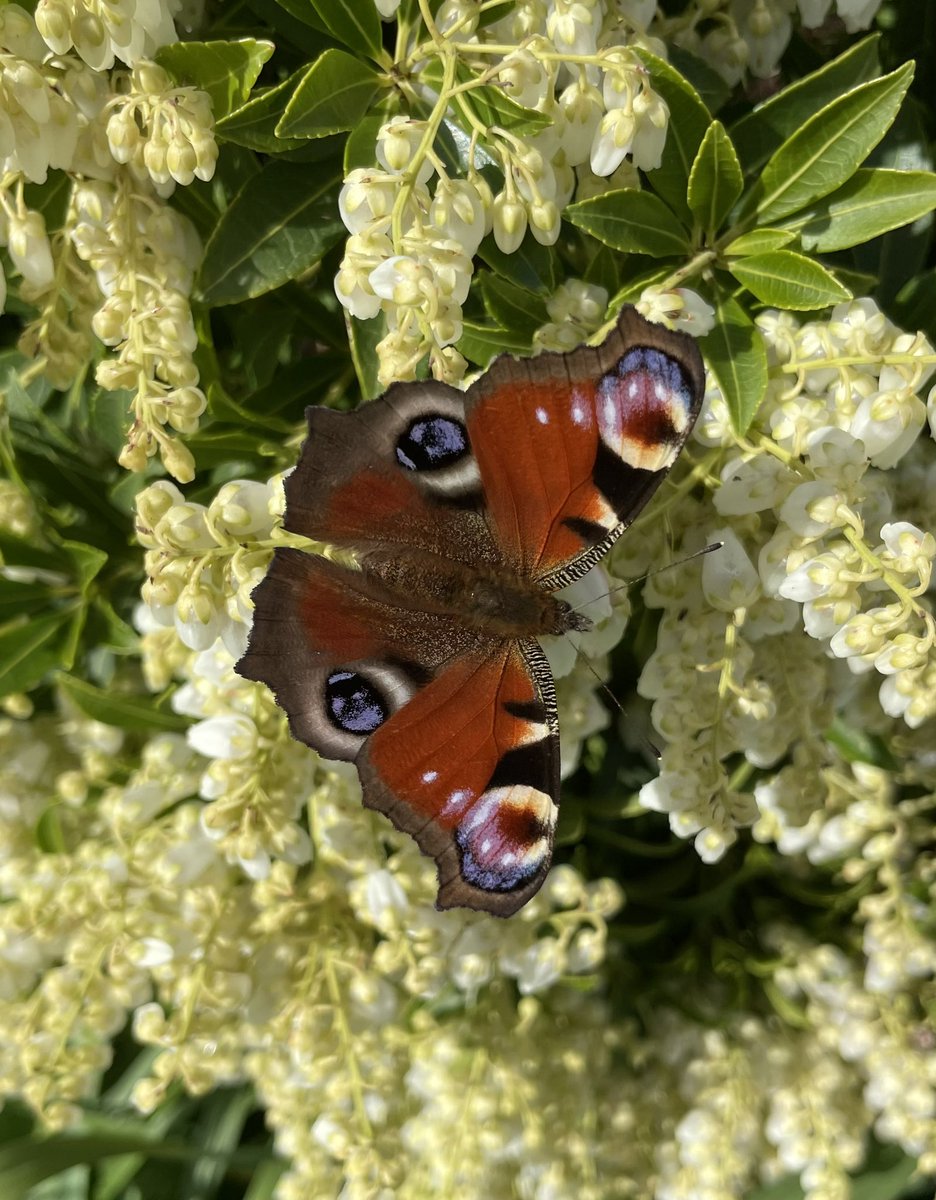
x=353 y=703
x=431 y=443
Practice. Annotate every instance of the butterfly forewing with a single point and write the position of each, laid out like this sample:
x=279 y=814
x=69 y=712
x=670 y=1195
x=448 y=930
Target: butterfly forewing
x=571 y=447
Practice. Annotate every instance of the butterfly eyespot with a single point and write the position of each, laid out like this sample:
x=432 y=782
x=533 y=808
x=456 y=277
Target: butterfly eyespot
x=353 y=704
x=432 y=442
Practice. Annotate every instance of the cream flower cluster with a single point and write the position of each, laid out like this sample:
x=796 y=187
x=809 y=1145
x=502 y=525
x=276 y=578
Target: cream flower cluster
x=162 y=132
x=375 y=1029
x=812 y=535
x=144 y=255
x=48 y=120
x=749 y=37
x=415 y=227
x=102 y=30
x=58 y=112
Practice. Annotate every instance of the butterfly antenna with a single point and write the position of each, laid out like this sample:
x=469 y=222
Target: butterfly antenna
x=657 y=571
x=601 y=682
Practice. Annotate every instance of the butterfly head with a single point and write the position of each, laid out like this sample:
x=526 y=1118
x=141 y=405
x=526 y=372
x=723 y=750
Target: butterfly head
x=569 y=620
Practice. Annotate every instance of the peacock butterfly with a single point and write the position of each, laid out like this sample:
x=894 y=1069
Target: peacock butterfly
x=464 y=512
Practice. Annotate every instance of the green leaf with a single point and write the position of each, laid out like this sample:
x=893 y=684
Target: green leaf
x=915 y=305
x=88 y=560
x=254 y=124
x=758 y=134
x=333 y=95
x=353 y=23
x=871 y=203
x=21 y=552
x=736 y=356
x=785 y=279
x=49 y=836
x=363 y=337
x=634 y=288
x=491 y=105
x=50 y=198
x=137 y=713
x=481 y=343
x=300 y=10
x=712 y=89
x=512 y=307
x=361 y=143
x=829 y=147
x=486 y=102
x=278 y=226
x=632 y=220
x=29 y=649
x=689 y=120
x=19 y=596
x=532 y=266
x=225 y=70
x=760 y=241
x=715 y=182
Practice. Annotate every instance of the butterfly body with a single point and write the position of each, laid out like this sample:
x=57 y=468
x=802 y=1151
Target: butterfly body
x=492 y=600
x=464 y=513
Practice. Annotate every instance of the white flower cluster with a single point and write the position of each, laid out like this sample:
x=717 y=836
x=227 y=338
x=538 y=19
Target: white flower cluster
x=411 y=244
x=202 y=562
x=162 y=132
x=58 y=112
x=732 y=674
x=144 y=255
x=48 y=120
x=102 y=30
x=896 y=1069
x=750 y=36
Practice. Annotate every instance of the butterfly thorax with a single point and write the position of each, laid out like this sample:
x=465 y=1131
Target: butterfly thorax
x=494 y=600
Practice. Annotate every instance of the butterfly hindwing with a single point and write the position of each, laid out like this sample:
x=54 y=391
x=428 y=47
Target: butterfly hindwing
x=470 y=768
x=454 y=735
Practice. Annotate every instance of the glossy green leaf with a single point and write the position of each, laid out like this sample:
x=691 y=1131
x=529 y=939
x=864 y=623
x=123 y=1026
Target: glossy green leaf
x=715 y=181
x=363 y=338
x=636 y=284
x=254 y=124
x=915 y=305
x=353 y=23
x=870 y=204
x=632 y=220
x=88 y=561
x=711 y=88
x=21 y=597
x=278 y=226
x=689 y=119
x=482 y=343
x=532 y=266
x=333 y=95
x=30 y=649
x=225 y=70
x=491 y=105
x=829 y=147
x=300 y=10
x=360 y=148
x=486 y=102
x=512 y=307
x=136 y=713
x=785 y=279
x=759 y=133
x=735 y=354
x=760 y=241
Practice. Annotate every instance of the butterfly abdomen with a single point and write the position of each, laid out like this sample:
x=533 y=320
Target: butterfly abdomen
x=494 y=601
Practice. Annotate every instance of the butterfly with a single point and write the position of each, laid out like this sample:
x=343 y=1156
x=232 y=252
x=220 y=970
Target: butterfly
x=418 y=661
